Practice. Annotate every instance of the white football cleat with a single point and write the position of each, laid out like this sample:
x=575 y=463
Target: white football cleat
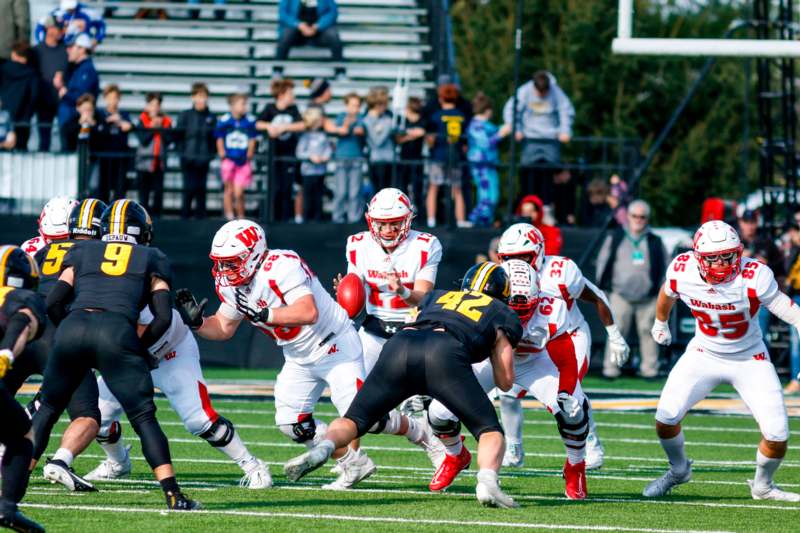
x=663 y=485
x=431 y=444
x=353 y=472
x=489 y=493
x=772 y=492
x=57 y=471
x=108 y=469
x=514 y=456
x=304 y=464
x=257 y=478
x=594 y=452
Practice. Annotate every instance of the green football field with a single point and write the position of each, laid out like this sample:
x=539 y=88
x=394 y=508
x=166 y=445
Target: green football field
x=396 y=497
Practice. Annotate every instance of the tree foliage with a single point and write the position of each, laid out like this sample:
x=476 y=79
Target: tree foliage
x=629 y=96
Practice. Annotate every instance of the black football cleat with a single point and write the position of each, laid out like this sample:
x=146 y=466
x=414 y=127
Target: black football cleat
x=19 y=522
x=57 y=471
x=176 y=501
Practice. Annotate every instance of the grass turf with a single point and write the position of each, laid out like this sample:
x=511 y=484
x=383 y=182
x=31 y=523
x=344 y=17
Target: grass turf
x=396 y=497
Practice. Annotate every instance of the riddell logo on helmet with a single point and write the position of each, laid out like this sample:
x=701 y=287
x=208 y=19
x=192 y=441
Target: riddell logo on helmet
x=248 y=237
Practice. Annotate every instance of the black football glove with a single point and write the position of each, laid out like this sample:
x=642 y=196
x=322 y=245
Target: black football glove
x=191 y=312
x=253 y=315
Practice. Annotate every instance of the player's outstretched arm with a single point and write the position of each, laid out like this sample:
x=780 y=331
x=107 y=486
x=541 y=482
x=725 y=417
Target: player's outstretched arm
x=618 y=346
x=21 y=328
x=301 y=312
x=59 y=295
x=161 y=307
x=502 y=360
x=784 y=308
x=660 y=331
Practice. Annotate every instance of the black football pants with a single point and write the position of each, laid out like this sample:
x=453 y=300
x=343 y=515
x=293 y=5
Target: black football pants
x=108 y=342
x=424 y=362
x=14 y=424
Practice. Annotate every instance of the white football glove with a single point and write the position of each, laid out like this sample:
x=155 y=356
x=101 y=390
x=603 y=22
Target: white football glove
x=569 y=404
x=415 y=404
x=617 y=347
x=661 y=333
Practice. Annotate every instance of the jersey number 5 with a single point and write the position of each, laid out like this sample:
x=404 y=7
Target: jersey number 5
x=455 y=301
x=116 y=259
x=55 y=256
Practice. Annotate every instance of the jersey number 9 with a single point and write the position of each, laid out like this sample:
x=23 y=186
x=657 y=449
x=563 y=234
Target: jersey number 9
x=116 y=259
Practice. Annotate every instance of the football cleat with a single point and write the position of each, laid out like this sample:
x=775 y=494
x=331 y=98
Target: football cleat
x=108 y=469
x=431 y=444
x=514 y=456
x=449 y=469
x=663 y=485
x=353 y=472
x=772 y=492
x=19 y=522
x=177 y=501
x=594 y=452
x=257 y=478
x=489 y=493
x=304 y=464
x=57 y=471
x=575 y=477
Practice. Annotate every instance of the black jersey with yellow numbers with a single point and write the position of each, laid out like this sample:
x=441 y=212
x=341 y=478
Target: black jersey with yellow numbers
x=12 y=300
x=51 y=262
x=115 y=276
x=473 y=318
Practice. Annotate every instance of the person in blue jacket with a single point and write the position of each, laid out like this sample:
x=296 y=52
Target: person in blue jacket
x=75 y=18
x=81 y=78
x=311 y=22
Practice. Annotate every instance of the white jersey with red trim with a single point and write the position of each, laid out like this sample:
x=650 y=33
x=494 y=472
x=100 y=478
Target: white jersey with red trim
x=283 y=279
x=416 y=258
x=561 y=278
x=551 y=316
x=33 y=245
x=171 y=338
x=726 y=313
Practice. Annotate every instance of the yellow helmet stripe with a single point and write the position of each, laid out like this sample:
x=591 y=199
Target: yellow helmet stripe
x=86 y=218
x=125 y=205
x=479 y=278
x=488 y=275
x=81 y=213
x=34 y=266
x=5 y=251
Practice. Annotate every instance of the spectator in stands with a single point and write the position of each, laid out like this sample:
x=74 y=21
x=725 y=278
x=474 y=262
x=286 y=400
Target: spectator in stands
x=219 y=14
x=15 y=25
x=595 y=208
x=114 y=126
x=411 y=139
x=7 y=136
x=81 y=78
x=151 y=158
x=52 y=61
x=445 y=138
x=531 y=210
x=313 y=22
x=378 y=128
x=86 y=126
x=618 y=199
x=19 y=90
x=544 y=117
x=283 y=122
x=347 y=205
x=236 y=143
x=75 y=18
x=793 y=290
x=198 y=148
x=314 y=149
x=565 y=190
x=482 y=139
x=146 y=13
x=461 y=103
x=630 y=267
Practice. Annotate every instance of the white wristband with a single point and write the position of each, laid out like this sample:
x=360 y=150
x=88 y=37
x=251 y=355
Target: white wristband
x=613 y=331
x=9 y=354
x=404 y=292
x=269 y=315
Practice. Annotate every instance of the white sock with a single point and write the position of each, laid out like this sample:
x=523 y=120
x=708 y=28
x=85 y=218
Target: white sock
x=512 y=416
x=415 y=432
x=393 y=424
x=487 y=476
x=452 y=445
x=431 y=222
x=575 y=456
x=765 y=469
x=116 y=451
x=348 y=456
x=328 y=446
x=63 y=454
x=237 y=451
x=675 y=453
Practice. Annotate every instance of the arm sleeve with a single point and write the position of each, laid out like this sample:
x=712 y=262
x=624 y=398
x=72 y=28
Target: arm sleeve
x=784 y=308
x=434 y=257
x=285 y=17
x=351 y=255
x=328 y=16
x=507 y=111
x=56 y=301
x=229 y=311
x=161 y=306
x=302 y=147
x=295 y=282
x=671 y=281
x=566 y=112
x=766 y=287
x=99 y=26
x=160 y=266
x=574 y=279
x=14 y=328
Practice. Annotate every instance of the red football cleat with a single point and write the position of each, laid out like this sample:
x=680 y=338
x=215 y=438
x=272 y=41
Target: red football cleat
x=575 y=476
x=449 y=469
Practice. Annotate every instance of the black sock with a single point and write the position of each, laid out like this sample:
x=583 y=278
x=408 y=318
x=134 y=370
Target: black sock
x=169 y=484
x=16 y=460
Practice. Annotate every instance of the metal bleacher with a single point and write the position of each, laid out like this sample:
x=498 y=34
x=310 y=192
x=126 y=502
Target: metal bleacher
x=237 y=54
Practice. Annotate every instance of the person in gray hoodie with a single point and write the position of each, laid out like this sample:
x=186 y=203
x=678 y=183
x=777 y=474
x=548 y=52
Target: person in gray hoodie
x=314 y=150
x=544 y=117
x=378 y=127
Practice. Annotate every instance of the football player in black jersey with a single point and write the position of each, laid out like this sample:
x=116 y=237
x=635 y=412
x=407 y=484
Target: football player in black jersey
x=82 y=223
x=107 y=283
x=22 y=319
x=434 y=356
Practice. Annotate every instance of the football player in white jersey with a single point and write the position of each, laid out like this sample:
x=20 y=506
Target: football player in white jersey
x=724 y=292
x=52 y=224
x=398 y=266
x=559 y=277
x=546 y=324
x=180 y=378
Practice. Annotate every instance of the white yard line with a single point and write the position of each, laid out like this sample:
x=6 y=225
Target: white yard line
x=370 y=519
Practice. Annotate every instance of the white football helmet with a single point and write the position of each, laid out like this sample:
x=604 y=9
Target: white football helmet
x=238 y=249
x=524 y=284
x=522 y=241
x=54 y=218
x=387 y=206
x=718 y=251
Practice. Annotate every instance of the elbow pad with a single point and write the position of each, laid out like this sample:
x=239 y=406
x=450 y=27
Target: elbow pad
x=161 y=306
x=16 y=325
x=56 y=308
x=782 y=307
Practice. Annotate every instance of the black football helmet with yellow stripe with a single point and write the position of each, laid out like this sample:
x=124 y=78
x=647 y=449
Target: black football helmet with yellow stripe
x=18 y=269
x=127 y=220
x=85 y=219
x=488 y=278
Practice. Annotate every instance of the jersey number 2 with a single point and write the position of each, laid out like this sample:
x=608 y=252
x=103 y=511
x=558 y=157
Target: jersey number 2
x=116 y=259
x=454 y=301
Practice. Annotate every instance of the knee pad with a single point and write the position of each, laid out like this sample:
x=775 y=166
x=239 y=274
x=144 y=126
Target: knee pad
x=302 y=431
x=220 y=434
x=109 y=433
x=574 y=428
x=444 y=427
x=380 y=425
